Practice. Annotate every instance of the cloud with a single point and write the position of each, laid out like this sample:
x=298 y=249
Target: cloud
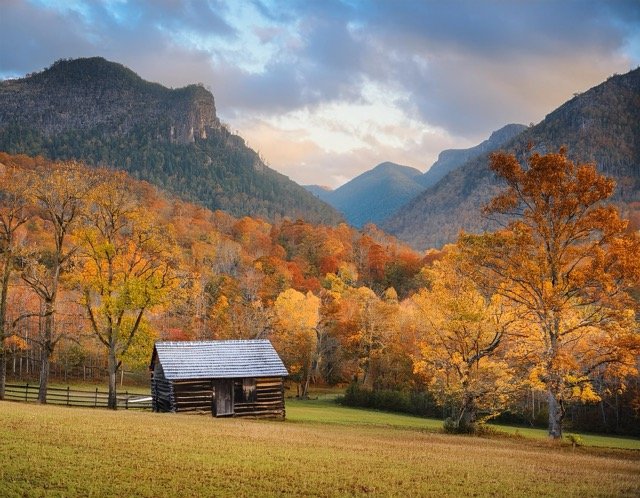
x=473 y=66
x=295 y=77
x=32 y=38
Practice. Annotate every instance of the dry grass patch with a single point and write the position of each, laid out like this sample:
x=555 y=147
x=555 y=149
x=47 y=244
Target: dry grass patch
x=56 y=451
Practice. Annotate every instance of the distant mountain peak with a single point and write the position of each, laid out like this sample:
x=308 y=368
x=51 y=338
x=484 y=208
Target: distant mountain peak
x=374 y=195
x=504 y=134
x=451 y=159
x=97 y=68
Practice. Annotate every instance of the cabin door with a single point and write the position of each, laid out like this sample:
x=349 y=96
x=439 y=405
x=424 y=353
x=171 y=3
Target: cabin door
x=223 y=404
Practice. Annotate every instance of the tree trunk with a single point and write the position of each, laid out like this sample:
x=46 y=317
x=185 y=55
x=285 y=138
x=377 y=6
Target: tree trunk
x=3 y=370
x=467 y=418
x=8 y=267
x=304 y=383
x=46 y=349
x=45 y=357
x=556 y=414
x=113 y=371
x=305 y=388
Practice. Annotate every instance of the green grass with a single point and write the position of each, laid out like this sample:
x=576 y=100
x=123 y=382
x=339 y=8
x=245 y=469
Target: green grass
x=59 y=451
x=324 y=410
x=595 y=440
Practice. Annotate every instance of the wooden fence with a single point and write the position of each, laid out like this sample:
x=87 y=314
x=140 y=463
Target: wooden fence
x=76 y=397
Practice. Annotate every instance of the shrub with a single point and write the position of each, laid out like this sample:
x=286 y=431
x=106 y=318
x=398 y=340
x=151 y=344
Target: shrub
x=415 y=403
x=452 y=426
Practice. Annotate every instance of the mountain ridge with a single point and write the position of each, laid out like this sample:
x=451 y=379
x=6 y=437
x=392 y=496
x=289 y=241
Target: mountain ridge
x=451 y=159
x=102 y=113
x=601 y=125
x=378 y=193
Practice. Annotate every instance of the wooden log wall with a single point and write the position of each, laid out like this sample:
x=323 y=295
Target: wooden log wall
x=162 y=395
x=193 y=395
x=269 y=401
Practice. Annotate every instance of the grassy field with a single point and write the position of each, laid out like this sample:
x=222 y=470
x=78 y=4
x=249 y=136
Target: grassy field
x=323 y=409
x=59 y=451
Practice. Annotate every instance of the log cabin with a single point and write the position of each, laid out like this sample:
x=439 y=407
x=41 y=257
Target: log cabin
x=237 y=378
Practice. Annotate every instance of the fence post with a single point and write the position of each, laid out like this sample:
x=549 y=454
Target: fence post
x=95 y=402
x=68 y=395
x=26 y=392
x=126 y=400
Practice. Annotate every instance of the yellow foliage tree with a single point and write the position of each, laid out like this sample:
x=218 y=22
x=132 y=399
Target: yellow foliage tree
x=129 y=267
x=296 y=334
x=461 y=342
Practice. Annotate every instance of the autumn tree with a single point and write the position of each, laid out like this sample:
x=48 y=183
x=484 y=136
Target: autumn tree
x=365 y=325
x=462 y=335
x=296 y=336
x=567 y=262
x=14 y=213
x=128 y=268
x=59 y=194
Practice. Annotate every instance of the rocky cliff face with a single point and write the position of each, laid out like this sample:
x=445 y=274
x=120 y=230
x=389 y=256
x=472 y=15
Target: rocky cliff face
x=95 y=93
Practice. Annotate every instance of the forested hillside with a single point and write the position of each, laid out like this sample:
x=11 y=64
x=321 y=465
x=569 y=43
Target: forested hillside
x=601 y=125
x=105 y=115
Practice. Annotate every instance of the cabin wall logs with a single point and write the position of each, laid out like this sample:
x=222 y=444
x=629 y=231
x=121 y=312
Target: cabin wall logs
x=162 y=396
x=198 y=395
x=269 y=400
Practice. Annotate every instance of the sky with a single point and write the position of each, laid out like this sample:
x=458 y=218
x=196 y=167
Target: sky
x=326 y=89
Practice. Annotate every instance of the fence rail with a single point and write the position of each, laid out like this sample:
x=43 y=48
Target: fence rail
x=76 y=397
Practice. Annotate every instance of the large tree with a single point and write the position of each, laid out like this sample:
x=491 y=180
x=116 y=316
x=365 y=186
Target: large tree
x=59 y=194
x=14 y=213
x=129 y=267
x=566 y=260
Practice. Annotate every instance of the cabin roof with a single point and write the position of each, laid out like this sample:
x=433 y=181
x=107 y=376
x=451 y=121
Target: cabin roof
x=218 y=359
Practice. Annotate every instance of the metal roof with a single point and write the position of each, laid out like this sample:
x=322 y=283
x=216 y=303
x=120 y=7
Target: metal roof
x=218 y=359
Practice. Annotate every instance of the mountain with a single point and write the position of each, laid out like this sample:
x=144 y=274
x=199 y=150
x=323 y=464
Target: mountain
x=450 y=159
x=375 y=194
x=378 y=193
x=320 y=191
x=601 y=125
x=102 y=113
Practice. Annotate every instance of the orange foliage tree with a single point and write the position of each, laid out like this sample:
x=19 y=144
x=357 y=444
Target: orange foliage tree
x=59 y=193
x=567 y=262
